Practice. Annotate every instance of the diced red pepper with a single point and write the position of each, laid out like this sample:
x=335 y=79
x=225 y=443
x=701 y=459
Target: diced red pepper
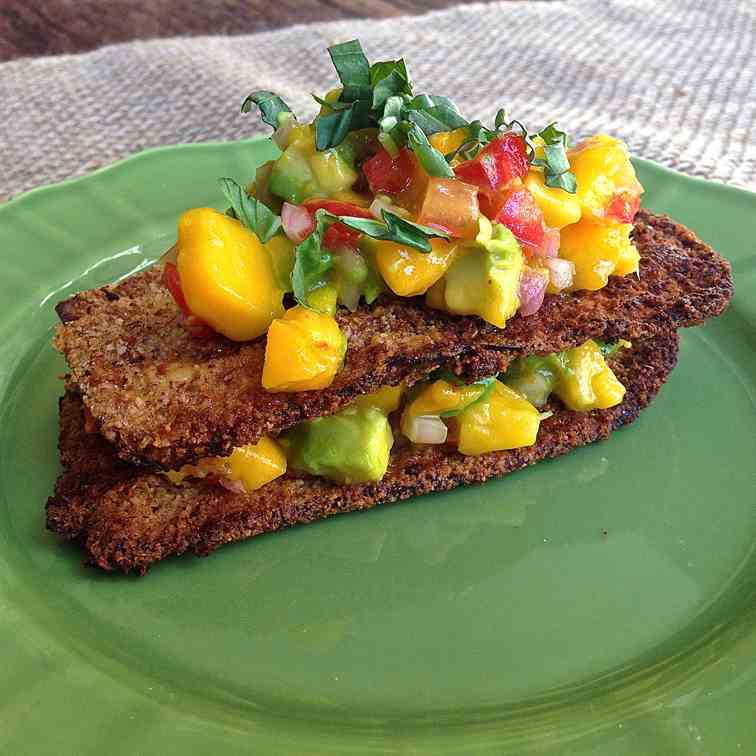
x=389 y=175
x=338 y=235
x=501 y=160
x=517 y=210
x=624 y=206
x=198 y=328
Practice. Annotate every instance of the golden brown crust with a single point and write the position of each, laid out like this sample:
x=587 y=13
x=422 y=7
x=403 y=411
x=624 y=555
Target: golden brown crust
x=127 y=519
x=164 y=398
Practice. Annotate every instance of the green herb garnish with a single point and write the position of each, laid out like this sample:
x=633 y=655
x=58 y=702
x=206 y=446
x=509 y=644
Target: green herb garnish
x=556 y=167
x=256 y=216
x=394 y=229
x=311 y=262
x=270 y=104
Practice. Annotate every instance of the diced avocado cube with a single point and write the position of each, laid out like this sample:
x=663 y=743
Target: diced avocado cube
x=291 y=177
x=352 y=446
x=533 y=377
x=485 y=278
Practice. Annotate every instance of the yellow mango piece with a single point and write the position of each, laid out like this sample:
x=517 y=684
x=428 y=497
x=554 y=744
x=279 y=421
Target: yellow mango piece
x=627 y=260
x=332 y=172
x=559 y=208
x=409 y=272
x=449 y=141
x=598 y=250
x=257 y=464
x=226 y=274
x=602 y=167
x=253 y=465
x=304 y=351
x=439 y=397
x=386 y=399
x=590 y=383
x=504 y=420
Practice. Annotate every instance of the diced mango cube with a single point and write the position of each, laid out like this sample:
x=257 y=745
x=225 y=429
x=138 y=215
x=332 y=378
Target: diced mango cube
x=603 y=170
x=257 y=464
x=559 y=208
x=304 y=351
x=589 y=383
x=504 y=420
x=226 y=274
x=408 y=271
x=449 y=141
x=598 y=250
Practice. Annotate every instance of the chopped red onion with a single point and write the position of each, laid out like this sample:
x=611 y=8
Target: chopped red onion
x=532 y=290
x=561 y=272
x=426 y=429
x=235 y=486
x=297 y=222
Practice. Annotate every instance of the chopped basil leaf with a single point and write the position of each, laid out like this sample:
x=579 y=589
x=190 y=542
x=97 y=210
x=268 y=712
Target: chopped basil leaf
x=425 y=101
x=395 y=229
x=432 y=161
x=270 y=104
x=249 y=211
x=353 y=69
x=311 y=262
x=437 y=118
x=389 y=79
x=335 y=105
x=331 y=129
x=556 y=167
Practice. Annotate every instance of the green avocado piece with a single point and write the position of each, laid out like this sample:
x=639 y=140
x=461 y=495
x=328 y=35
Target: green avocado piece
x=485 y=281
x=352 y=446
x=533 y=377
x=291 y=177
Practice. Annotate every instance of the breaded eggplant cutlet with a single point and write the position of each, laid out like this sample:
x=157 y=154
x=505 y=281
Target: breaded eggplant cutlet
x=126 y=519
x=402 y=301
x=166 y=399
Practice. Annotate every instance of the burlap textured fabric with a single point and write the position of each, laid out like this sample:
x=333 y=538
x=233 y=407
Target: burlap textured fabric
x=675 y=79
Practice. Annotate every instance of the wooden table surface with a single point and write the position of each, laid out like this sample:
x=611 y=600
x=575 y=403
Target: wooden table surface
x=50 y=27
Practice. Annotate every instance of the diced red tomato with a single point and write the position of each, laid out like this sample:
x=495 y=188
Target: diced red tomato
x=501 y=160
x=337 y=208
x=338 y=235
x=517 y=210
x=624 y=206
x=389 y=175
x=173 y=284
x=450 y=205
x=198 y=328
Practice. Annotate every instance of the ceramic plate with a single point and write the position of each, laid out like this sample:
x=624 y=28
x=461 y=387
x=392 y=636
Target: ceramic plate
x=602 y=603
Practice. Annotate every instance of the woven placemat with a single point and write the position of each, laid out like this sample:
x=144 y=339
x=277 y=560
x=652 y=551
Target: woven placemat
x=676 y=79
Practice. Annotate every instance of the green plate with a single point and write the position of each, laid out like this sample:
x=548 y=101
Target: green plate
x=604 y=603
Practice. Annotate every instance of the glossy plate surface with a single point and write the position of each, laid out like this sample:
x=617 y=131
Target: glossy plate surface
x=604 y=603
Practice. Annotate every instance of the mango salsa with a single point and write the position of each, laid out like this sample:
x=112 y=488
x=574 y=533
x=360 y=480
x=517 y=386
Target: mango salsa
x=559 y=208
x=504 y=420
x=253 y=465
x=226 y=274
x=409 y=272
x=257 y=464
x=603 y=170
x=588 y=383
x=304 y=351
x=598 y=250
